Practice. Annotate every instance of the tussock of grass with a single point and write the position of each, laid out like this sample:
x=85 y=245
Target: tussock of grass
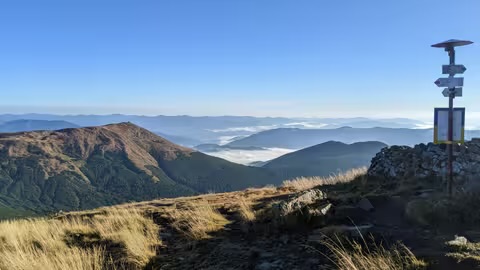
x=268 y=189
x=245 y=211
x=197 y=220
x=351 y=255
x=79 y=242
x=304 y=183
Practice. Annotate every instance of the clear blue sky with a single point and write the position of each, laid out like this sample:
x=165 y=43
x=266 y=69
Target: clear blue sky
x=243 y=57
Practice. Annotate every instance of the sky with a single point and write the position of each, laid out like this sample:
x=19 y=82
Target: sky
x=307 y=58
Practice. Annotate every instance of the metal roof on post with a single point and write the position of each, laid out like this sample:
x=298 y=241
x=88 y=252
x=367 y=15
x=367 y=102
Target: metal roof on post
x=452 y=43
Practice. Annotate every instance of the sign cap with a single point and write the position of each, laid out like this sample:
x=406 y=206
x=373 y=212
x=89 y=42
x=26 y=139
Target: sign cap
x=452 y=43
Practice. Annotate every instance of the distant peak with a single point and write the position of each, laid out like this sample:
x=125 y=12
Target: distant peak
x=331 y=142
x=123 y=125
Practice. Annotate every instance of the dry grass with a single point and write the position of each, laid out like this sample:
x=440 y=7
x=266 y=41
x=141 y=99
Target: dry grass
x=464 y=250
x=304 y=183
x=351 y=255
x=197 y=220
x=245 y=210
x=117 y=238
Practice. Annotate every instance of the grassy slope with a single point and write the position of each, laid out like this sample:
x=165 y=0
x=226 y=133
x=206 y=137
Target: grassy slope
x=215 y=231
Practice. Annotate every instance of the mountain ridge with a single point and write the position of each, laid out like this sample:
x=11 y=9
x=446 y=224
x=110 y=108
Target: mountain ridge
x=294 y=138
x=325 y=159
x=79 y=168
x=34 y=125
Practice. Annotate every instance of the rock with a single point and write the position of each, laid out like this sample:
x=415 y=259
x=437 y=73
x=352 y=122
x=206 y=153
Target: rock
x=307 y=206
x=365 y=204
x=319 y=211
x=422 y=161
x=298 y=202
x=458 y=241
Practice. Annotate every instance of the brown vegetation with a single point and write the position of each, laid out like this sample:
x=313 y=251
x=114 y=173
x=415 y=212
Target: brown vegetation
x=352 y=255
x=304 y=183
x=113 y=238
x=197 y=220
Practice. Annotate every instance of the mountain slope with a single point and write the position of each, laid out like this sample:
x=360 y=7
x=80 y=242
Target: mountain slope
x=326 y=158
x=89 y=167
x=31 y=125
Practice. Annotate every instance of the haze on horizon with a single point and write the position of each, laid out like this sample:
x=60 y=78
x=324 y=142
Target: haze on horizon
x=269 y=58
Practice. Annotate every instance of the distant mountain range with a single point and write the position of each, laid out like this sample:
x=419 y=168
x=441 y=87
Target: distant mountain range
x=89 y=167
x=191 y=131
x=294 y=138
x=31 y=125
x=325 y=159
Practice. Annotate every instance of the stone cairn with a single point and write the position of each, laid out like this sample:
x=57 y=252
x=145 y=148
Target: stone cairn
x=426 y=160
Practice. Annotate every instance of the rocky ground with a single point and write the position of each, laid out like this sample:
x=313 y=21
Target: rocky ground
x=290 y=227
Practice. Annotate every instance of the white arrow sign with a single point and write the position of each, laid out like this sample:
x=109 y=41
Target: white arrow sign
x=449 y=82
x=453 y=69
x=458 y=92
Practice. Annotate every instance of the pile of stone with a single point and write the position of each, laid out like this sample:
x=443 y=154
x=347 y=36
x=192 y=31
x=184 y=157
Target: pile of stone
x=426 y=160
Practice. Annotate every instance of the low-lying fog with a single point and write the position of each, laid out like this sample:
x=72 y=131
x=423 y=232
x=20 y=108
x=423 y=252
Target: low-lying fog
x=248 y=156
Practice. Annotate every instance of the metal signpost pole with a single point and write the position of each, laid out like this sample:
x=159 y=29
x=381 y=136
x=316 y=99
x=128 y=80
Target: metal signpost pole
x=451 y=92
x=451 y=96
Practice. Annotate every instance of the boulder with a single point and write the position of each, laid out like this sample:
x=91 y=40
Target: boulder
x=298 y=202
x=307 y=207
x=365 y=204
x=458 y=241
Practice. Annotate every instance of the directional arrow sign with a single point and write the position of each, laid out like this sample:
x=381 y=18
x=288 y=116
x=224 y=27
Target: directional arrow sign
x=458 y=92
x=453 y=69
x=449 y=82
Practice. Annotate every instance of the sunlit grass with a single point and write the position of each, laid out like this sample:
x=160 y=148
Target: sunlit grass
x=197 y=220
x=304 y=183
x=79 y=242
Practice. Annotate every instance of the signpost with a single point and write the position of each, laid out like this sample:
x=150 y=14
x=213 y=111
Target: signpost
x=458 y=91
x=451 y=83
x=453 y=69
